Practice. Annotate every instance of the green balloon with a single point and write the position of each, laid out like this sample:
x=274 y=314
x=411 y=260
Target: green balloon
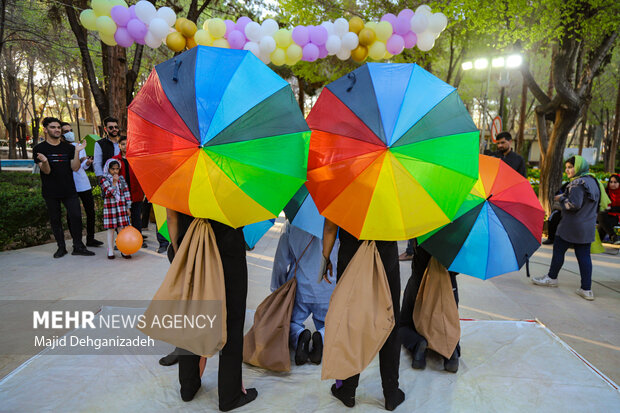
x=106 y=26
x=88 y=18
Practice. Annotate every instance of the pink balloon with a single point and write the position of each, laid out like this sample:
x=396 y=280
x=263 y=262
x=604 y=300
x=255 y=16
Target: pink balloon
x=323 y=52
x=301 y=36
x=122 y=37
x=132 y=12
x=402 y=25
x=310 y=52
x=318 y=35
x=230 y=26
x=389 y=17
x=120 y=15
x=242 y=22
x=410 y=39
x=236 y=39
x=137 y=30
x=395 y=44
x=406 y=13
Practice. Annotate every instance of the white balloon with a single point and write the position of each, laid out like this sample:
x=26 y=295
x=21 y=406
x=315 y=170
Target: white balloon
x=329 y=26
x=424 y=9
x=252 y=31
x=426 y=41
x=343 y=54
x=145 y=11
x=341 y=26
x=269 y=27
x=437 y=22
x=159 y=28
x=265 y=57
x=333 y=44
x=350 y=41
x=151 y=41
x=419 y=23
x=167 y=14
x=267 y=45
x=252 y=47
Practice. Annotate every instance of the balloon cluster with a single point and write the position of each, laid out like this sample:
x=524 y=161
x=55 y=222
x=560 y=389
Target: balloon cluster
x=342 y=38
x=119 y=24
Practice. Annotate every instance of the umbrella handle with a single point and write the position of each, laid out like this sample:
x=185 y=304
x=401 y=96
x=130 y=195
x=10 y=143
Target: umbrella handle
x=175 y=74
x=351 y=76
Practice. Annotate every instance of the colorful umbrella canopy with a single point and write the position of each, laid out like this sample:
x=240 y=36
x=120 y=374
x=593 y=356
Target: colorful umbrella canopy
x=497 y=227
x=301 y=212
x=393 y=152
x=90 y=144
x=214 y=133
x=161 y=221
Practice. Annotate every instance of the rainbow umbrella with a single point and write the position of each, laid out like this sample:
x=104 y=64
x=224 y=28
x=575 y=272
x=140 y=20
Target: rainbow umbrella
x=91 y=139
x=161 y=221
x=214 y=133
x=301 y=212
x=497 y=227
x=393 y=152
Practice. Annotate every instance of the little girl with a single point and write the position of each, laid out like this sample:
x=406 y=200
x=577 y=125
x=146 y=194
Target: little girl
x=116 y=202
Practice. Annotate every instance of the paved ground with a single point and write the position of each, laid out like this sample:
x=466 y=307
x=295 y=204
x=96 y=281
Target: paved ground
x=591 y=328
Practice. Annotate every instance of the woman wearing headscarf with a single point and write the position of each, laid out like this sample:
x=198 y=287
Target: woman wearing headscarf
x=580 y=205
x=609 y=218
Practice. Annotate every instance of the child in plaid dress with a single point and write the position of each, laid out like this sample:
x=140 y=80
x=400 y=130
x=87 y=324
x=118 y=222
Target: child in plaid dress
x=116 y=202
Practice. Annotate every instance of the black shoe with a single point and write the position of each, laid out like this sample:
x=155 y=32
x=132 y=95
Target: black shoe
x=188 y=391
x=127 y=257
x=82 y=251
x=548 y=241
x=60 y=252
x=317 y=348
x=451 y=364
x=144 y=245
x=162 y=250
x=94 y=243
x=419 y=356
x=303 y=342
x=169 y=360
x=249 y=396
x=392 y=401
x=346 y=399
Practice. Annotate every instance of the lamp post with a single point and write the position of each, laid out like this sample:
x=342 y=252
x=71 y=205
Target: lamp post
x=76 y=105
x=509 y=62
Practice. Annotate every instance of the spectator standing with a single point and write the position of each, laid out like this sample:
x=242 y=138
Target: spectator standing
x=107 y=147
x=609 y=218
x=58 y=160
x=506 y=154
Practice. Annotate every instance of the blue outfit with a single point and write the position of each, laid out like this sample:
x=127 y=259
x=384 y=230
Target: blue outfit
x=311 y=296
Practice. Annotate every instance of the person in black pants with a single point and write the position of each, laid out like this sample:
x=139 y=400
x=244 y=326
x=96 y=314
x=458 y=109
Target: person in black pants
x=389 y=355
x=58 y=160
x=231 y=245
x=408 y=335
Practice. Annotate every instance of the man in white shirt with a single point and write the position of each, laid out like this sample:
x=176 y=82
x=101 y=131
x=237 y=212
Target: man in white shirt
x=83 y=187
x=107 y=147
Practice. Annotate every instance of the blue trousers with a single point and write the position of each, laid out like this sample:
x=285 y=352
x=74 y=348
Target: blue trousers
x=582 y=251
x=301 y=311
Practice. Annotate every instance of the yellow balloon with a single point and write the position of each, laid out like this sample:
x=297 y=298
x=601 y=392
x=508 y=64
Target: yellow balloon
x=278 y=57
x=384 y=31
x=367 y=37
x=179 y=23
x=203 y=38
x=119 y=3
x=175 y=41
x=290 y=61
x=106 y=25
x=388 y=56
x=217 y=28
x=377 y=50
x=88 y=18
x=223 y=43
x=283 y=38
x=190 y=42
x=371 y=25
x=188 y=28
x=356 y=24
x=109 y=40
x=101 y=7
x=294 y=52
x=205 y=25
x=359 y=54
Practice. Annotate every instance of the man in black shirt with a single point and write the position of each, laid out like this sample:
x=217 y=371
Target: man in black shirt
x=58 y=160
x=506 y=154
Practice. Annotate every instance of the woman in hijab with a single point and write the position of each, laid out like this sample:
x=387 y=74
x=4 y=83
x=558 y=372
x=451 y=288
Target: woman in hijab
x=609 y=218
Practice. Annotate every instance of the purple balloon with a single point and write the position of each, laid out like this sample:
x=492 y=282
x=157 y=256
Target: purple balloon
x=132 y=12
x=410 y=39
x=389 y=18
x=318 y=35
x=242 y=22
x=402 y=25
x=230 y=26
x=301 y=36
x=406 y=13
x=395 y=44
x=137 y=30
x=122 y=37
x=236 y=39
x=323 y=52
x=310 y=52
x=120 y=15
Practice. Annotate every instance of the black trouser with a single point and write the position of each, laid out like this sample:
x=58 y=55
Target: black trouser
x=606 y=224
x=89 y=208
x=136 y=215
x=72 y=204
x=231 y=245
x=552 y=224
x=407 y=332
x=146 y=213
x=389 y=355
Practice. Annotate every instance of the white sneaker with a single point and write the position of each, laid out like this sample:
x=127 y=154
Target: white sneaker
x=545 y=281
x=587 y=294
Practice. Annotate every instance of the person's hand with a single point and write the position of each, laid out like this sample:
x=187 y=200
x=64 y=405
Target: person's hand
x=326 y=269
x=557 y=197
x=89 y=162
x=80 y=146
x=115 y=179
x=41 y=157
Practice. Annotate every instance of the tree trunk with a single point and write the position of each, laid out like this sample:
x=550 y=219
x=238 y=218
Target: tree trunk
x=615 y=136
x=88 y=104
x=115 y=69
x=301 y=95
x=522 y=115
x=582 y=132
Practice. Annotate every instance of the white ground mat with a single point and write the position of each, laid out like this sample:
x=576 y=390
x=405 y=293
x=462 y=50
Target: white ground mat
x=506 y=366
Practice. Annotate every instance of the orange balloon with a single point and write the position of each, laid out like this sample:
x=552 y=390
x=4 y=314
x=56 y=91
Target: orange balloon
x=367 y=37
x=129 y=240
x=356 y=24
x=191 y=43
x=359 y=54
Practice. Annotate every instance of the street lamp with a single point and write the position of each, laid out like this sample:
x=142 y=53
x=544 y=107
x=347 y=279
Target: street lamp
x=76 y=105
